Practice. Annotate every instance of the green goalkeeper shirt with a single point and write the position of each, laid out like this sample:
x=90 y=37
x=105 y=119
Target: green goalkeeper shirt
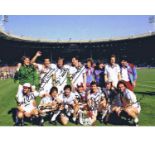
x=27 y=74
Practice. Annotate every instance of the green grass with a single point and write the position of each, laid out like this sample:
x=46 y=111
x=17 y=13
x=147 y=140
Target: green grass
x=145 y=91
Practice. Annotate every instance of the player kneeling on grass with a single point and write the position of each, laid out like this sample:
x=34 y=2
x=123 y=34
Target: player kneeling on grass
x=129 y=105
x=49 y=105
x=27 y=104
x=69 y=105
x=111 y=95
x=81 y=96
x=95 y=101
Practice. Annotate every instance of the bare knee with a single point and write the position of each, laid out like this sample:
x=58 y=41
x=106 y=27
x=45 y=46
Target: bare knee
x=35 y=112
x=128 y=111
x=64 y=120
x=20 y=115
x=27 y=115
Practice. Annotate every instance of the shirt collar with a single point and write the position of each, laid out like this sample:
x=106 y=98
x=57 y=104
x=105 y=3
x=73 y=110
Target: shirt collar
x=114 y=65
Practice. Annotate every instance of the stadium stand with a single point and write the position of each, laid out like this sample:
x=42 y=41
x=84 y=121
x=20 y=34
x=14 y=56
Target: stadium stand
x=138 y=48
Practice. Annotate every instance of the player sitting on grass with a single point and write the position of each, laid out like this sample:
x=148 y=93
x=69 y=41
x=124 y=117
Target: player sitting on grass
x=27 y=104
x=49 y=104
x=129 y=105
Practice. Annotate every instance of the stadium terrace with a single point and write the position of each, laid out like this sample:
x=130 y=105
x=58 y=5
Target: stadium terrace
x=138 y=48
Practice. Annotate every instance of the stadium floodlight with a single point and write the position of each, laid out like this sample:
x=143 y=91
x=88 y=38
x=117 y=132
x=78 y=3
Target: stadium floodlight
x=152 y=22
x=3 y=21
x=152 y=19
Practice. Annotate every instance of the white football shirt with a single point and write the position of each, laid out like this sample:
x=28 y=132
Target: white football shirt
x=124 y=74
x=112 y=73
x=68 y=99
x=78 y=75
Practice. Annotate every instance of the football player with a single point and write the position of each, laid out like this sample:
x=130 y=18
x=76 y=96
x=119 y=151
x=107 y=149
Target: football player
x=49 y=105
x=46 y=71
x=27 y=106
x=26 y=73
x=112 y=71
x=95 y=99
x=61 y=74
x=81 y=96
x=77 y=73
x=70 y=103
x=129 y=103
x=112 y=98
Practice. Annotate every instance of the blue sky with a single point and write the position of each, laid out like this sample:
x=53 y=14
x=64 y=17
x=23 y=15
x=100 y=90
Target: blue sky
x=77 y=27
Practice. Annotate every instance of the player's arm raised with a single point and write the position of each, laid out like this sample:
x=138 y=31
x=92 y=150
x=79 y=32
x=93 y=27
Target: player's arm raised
x=38 y=54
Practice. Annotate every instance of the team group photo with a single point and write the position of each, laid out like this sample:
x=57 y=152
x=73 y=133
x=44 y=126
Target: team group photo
x=106 y=82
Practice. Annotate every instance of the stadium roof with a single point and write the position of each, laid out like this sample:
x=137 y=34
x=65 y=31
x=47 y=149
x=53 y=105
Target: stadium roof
x=8 y=36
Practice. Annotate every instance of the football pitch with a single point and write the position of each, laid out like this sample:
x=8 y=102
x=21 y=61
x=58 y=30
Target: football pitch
x=145 y=92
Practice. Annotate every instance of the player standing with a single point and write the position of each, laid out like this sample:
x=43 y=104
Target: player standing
x=77 y=73
x=60 y=75
x=89 y=72
x=46 y=71
x=26 y=73
x=129 y=74
x=112 y=71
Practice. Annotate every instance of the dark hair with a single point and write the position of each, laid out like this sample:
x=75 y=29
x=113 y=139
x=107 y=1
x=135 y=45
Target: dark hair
x=121 y=82
x=68 y=87
x=124 y=58
x=98 y=63
x=113 y=56
x=47 y=58
x=60 y=58
x=93 y=83
x=23 y=58
x=91 y=61
x=76 y=57
x=53 y=89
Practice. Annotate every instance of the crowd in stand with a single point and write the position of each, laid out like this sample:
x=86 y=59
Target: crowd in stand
x=7 y=72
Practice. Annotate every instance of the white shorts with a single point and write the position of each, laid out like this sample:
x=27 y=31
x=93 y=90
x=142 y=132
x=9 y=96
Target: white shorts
x=28 y=108
x=137 y=106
